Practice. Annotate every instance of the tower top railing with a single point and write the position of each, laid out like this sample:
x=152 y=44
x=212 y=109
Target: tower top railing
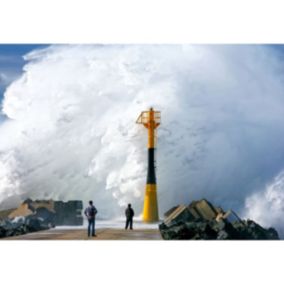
x=150 y=117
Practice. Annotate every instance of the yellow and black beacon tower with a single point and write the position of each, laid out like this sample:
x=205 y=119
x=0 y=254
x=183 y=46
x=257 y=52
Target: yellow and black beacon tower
x=151 y=120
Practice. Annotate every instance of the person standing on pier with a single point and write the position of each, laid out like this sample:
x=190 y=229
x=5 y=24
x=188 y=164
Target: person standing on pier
x=90 y=213
x=129 y=213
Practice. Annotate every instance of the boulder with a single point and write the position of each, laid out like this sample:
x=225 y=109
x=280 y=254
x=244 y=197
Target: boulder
x=47 y=216
x=170 y=211
x=23 y=210
x=204 y=209
x=35 y=224
x=179 y=214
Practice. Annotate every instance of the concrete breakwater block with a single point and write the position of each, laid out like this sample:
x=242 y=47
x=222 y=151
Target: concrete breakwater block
x=58 y=212
x=200 y=220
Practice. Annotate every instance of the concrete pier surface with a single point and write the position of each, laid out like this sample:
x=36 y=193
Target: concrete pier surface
x=105 y=230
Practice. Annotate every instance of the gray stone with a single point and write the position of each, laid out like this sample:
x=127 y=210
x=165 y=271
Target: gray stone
x=180 y=214
x=223 y=235
x=205 y=209
x=170 y=211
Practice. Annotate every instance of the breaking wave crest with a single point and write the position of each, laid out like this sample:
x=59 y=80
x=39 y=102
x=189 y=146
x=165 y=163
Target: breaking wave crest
x=70 y=127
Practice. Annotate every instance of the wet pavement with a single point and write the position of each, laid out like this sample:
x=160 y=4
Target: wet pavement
x=81 y=234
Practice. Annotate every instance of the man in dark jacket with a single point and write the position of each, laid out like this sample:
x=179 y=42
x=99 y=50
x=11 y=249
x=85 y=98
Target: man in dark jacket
x=129 y=213
x=90 y=213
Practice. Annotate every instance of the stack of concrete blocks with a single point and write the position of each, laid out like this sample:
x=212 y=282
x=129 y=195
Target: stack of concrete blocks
x=68 y=213
x=58 y=213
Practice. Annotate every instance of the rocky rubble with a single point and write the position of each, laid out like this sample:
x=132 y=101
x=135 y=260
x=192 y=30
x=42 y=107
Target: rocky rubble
x=32 y=216
x=20 y=226
x=200 y=220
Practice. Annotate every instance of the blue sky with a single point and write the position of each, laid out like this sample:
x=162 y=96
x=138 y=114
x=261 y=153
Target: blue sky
x=11 y=62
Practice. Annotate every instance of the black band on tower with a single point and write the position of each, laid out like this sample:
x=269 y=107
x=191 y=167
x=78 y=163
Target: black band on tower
x=151 y=176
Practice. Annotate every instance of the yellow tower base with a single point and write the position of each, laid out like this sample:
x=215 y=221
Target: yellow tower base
x=150 y=211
